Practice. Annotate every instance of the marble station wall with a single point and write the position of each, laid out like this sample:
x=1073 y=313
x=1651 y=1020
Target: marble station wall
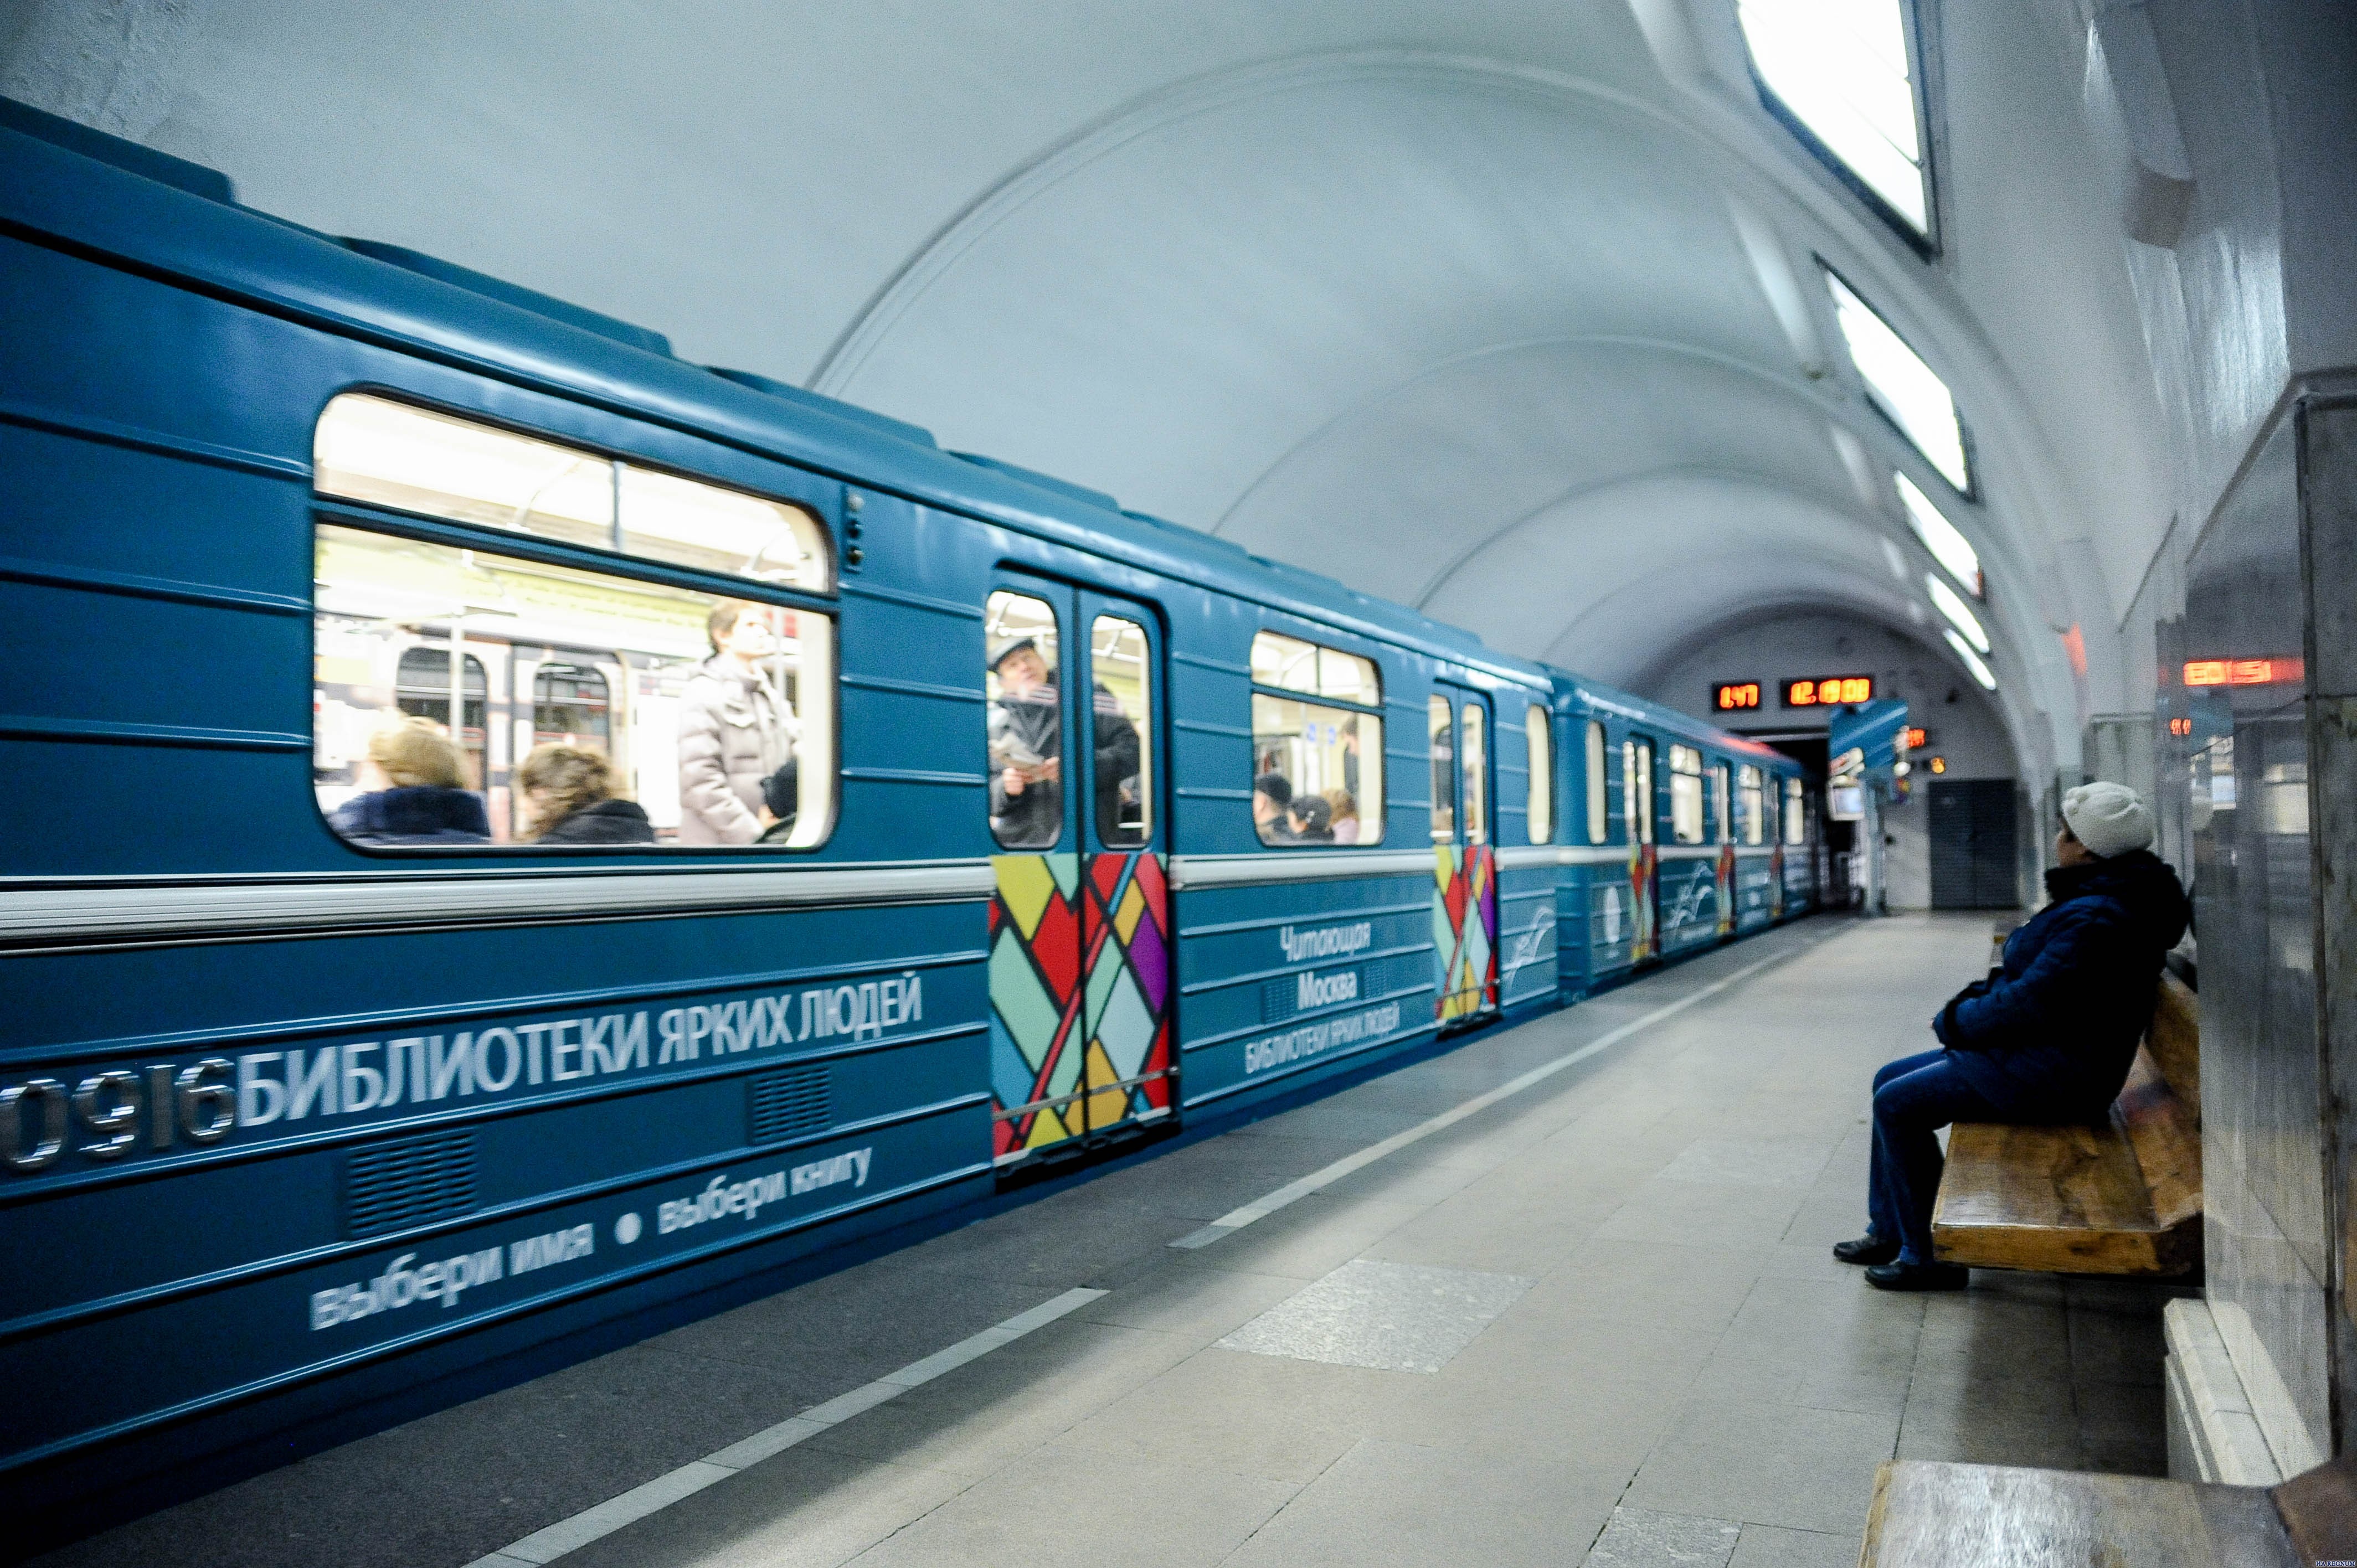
x=2267 y=1141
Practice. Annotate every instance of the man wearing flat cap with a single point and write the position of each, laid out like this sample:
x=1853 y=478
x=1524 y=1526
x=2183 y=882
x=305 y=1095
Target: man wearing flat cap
x=2048 y=1037
x=1027 y=744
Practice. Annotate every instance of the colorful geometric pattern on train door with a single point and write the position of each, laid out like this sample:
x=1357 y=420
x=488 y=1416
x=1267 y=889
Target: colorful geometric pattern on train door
x=1645 y=919
x=1126 y=933
x=1465 y=928
x=1726 y=889
x=1035 y=1023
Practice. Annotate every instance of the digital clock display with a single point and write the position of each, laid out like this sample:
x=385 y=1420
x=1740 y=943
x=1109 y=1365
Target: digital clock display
x=1730 y=696
x=1828 y=690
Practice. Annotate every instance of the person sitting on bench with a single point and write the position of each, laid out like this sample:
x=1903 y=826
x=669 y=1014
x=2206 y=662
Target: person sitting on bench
x=2046 y=1039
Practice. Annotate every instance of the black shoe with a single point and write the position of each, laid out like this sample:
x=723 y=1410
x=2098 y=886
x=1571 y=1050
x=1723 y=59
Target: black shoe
x=1918 y=1276
x=1868 y=1249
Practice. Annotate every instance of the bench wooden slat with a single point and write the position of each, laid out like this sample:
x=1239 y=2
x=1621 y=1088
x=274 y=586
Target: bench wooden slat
x=2166 y=1132
x=2056 y=1199
x=2174 y=1039
x=1937 y=1515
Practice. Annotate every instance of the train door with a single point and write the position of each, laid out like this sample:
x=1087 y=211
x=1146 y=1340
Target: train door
x=1721 y=789
x=1080 y=923
x=1637 y=813
x=1465 y=857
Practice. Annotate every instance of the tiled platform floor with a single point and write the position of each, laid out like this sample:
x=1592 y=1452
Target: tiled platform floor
x=1674 y=1371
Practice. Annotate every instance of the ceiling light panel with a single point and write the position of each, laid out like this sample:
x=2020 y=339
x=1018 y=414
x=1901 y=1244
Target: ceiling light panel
x=1944 y=539
x=1973 y=662
x=1901 y=385
x=1951 y=603
x=1840 y=69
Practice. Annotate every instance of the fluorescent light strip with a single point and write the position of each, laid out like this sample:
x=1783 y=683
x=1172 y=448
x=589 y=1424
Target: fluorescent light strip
x=1841 y=69
x=1902 y=384
x=1949 y=603
x=1973 y=662
x=1944 y=539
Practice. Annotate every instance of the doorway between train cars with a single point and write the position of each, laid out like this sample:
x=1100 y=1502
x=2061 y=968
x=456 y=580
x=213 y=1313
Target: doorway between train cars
x=1464 y=854
x=1640 y=815
x=1080 y=1029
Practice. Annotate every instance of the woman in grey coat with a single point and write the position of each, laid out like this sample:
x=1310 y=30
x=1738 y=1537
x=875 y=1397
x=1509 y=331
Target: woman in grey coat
x=735 y=730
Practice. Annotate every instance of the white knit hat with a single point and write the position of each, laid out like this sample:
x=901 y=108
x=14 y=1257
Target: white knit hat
x=2108 y=818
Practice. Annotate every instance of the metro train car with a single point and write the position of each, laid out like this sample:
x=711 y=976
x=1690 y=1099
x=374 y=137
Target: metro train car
x=1720 y=845
x=336 y=1065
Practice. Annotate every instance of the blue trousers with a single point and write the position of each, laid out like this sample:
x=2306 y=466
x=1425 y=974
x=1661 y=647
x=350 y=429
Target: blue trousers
x=1914 y=1097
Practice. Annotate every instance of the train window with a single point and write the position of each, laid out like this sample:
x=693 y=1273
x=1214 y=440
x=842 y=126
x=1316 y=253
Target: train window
x=1750 y=809
x=1325 y=758
x=1025 y=722
x=421 y=689
x=1474 y=748
x=388 y=454
x=1317 y=767
x=1292 y=665
x=1719 y=800
x=1600 y=824
x=1796 y=818
x=1685 y=794
x=1440 y=721
x=1637 y=789
x=709 y=720
x=570 y=707
x=1540 y=731
x=1121 y=731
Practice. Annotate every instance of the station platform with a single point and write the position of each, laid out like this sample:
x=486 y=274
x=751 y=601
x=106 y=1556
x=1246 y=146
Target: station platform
x=1561 y=1295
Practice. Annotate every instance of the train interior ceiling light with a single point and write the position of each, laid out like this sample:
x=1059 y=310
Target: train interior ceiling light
x=1837 y=71
x=1901 y=385
x=1944 y=539
x=1951 y=603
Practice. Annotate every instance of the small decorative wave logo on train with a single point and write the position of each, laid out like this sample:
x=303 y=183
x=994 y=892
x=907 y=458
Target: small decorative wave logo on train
x=1525 y=950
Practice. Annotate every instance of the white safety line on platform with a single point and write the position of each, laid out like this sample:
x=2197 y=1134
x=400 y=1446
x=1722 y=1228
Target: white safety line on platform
x=1235 y=1220
x=592 y=1523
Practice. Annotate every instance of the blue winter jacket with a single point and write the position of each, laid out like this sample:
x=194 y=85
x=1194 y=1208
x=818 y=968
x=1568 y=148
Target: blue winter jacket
x=417 y=813
x=2049 y=1036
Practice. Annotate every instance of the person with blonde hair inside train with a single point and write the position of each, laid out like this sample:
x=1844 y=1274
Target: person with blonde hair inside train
x=416 y=791
x=568 y=791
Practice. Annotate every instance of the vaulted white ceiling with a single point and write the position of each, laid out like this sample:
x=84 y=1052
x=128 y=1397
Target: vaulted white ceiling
x=1506 y=309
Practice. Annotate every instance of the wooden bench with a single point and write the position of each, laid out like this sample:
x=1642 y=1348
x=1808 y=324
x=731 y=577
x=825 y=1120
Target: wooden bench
x=2119 y=1200
x=1930 y=1515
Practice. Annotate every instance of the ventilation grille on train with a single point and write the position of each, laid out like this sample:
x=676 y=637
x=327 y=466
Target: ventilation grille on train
x=394 y=1186
x=789 y=1101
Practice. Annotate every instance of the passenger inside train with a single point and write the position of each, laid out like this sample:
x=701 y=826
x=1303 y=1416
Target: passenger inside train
x=736 y=728
x=568 y=793
x=414 y=791
x=1027 y=799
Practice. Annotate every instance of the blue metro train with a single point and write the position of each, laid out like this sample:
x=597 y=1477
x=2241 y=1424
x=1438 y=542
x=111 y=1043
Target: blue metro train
x=335 y=1064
